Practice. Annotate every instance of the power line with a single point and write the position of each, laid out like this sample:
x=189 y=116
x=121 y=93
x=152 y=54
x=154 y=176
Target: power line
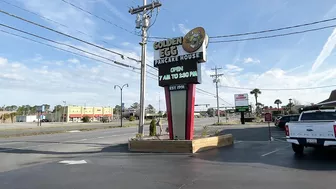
x=282 y=89
x=272 y=36
x=48 y=19
x=100 y=47
x=211 y=94
x=53 y=41
x=94 y=15
x=71 y=52
x=277 y=29
x=64 y=34
x=55 y=47
x=105 y=20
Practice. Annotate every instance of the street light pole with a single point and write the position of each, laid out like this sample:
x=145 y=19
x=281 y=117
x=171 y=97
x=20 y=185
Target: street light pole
x=63 y=111
x=121 y=89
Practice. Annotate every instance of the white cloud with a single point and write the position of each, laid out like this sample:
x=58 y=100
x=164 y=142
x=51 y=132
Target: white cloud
x=326 y=51
x=125 y=43
x=183 y=28
x=250 y=60
x=61 y=12
x=3 y=61
x=12 y=76
x=109 y=37
x=233 y=68
x=73 y=60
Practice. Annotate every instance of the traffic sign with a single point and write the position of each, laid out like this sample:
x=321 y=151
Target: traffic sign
x=268 y=117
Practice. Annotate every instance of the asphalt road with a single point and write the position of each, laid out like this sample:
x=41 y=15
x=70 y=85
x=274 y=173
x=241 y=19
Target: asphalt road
x=16 y=152
x=252 y=162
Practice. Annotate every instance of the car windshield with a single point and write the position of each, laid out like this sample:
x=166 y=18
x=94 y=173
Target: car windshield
x=318 y=116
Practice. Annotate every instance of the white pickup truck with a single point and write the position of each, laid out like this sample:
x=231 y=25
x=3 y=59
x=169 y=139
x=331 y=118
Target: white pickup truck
x=315 y=128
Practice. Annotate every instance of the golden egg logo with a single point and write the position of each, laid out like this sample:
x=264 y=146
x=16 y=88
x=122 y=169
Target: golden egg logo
x=194 y=39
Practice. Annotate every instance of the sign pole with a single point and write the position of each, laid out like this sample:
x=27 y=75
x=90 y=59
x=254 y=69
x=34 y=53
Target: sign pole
x=269 y=132
x=268 y=118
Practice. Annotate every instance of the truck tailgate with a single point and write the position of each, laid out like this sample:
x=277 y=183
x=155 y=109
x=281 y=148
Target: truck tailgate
x=317 y=130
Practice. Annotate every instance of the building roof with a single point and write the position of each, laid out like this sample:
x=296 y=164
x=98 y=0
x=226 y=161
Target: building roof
x=331 y=101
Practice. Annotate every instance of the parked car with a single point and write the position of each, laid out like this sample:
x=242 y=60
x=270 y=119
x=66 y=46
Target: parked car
x=45 y=120
x=315 y=128
x=285 y=119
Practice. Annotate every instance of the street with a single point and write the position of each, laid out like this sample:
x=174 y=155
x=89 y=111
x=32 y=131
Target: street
x=41 y=148
x=98 y=158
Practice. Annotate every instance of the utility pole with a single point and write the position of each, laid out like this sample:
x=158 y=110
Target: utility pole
x=144 y=24
x=216 y=80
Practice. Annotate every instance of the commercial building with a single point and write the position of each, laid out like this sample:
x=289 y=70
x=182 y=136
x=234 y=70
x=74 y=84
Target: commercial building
x=27 y=118
x=76 y=113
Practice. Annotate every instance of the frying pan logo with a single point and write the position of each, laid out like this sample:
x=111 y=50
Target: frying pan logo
x=194 y=39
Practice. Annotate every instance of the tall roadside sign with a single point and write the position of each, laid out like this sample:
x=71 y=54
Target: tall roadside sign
x=241 y=105
x=178 y=61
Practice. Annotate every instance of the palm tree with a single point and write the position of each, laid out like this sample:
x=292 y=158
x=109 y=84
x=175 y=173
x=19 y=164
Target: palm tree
x=277 y=102
x=255 y=92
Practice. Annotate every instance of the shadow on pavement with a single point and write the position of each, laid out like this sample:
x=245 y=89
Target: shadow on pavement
x=253 y=147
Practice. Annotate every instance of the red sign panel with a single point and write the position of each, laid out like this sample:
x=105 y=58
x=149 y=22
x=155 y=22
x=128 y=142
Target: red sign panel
x=268 y=117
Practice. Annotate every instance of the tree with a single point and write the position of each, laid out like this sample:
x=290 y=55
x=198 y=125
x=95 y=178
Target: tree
x=135 y=105
x=12 y=115
x=116 y=109
x=278 y=102
x=152 y=128
x=57 y=108
x=4 y=117
x=211 y=112
x=255 y=92
x=46 y=107
x=150 y=109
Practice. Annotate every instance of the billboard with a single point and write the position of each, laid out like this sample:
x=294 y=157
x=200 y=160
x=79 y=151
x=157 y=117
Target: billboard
x=241 y=102
x=180 y=49
x=180 y=73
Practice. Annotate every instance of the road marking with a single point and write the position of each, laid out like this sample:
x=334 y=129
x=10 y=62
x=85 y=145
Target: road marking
x=73 y=162
x=270 y=153
x=74 y=131
x=274 y=151
x=100 y=137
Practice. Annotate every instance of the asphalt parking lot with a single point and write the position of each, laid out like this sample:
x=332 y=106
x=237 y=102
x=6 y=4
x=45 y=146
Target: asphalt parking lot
x=252 y=162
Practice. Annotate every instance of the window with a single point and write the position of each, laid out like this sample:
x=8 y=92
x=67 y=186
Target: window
x=319 y=116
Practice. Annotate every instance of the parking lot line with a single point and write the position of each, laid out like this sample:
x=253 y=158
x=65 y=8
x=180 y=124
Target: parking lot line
x=274 y=151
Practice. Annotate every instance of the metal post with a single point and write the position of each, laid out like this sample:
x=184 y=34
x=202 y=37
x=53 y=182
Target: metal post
x=269 y=132
x=121 y=107
x=63 y=112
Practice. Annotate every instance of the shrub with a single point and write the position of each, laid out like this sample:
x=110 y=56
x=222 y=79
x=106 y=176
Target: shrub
x=131 y=118
x=86 y=119
x=205 y=131
x=152 y=128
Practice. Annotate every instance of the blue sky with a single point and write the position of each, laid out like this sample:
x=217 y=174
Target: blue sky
x=31 y=73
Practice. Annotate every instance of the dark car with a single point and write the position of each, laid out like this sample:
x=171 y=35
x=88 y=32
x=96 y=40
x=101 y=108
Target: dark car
x=45 y=120
x=285 y=119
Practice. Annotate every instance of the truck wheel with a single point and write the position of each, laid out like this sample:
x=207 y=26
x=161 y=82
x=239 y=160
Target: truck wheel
x=298 y=149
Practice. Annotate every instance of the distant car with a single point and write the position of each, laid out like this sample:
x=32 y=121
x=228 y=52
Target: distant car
x=45 y=120
x=285 y=119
